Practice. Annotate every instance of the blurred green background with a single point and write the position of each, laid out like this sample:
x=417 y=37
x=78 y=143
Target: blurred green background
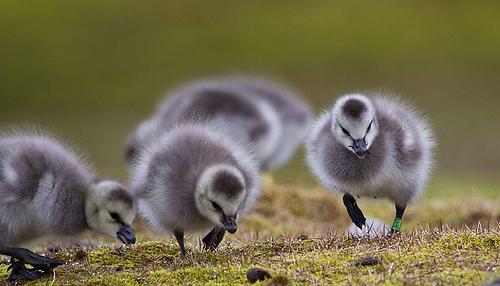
x=91 y=70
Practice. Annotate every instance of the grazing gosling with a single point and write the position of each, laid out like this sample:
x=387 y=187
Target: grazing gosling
x=219 y=104
x=192 y=179
x=48 y=191
x=372 y=146
x=295 y=115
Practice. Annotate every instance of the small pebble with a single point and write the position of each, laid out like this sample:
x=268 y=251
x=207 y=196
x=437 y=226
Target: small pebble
x=257 y=274
x=369 y=260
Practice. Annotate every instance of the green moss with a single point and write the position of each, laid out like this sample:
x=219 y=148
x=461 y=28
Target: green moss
x=3 y=271
x=119 y=279
x=462 y=257
x=195 y=275
x=278 y=280
x=133 y=256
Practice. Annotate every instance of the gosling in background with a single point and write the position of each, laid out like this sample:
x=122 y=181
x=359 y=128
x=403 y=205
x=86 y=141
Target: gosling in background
x=193 y=179
x=231 y=109
x=294 y=113
x=371 y=146
x=48 y=191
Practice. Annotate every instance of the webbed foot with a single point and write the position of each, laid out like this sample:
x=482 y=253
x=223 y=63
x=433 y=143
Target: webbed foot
x=19 y=272
x=37 y=261
x=212 y=240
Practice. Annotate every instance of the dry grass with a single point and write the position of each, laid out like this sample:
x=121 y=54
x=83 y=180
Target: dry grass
x=297 y=210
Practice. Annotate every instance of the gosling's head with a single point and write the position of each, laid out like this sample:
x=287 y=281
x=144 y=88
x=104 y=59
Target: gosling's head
x=354 y=124
x=110 y=211
x=219 y=195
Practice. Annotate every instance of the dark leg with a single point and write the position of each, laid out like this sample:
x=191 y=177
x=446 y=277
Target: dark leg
x=398 y=220
x=22 y=256
x=354 y=211
x=179 y=235
x=212 y=240
x=26 y=256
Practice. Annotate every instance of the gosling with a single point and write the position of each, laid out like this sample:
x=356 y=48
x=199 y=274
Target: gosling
x=193 y=179
x=371 y=146
x=46 y=191
x=228 y=108
x=294 y=114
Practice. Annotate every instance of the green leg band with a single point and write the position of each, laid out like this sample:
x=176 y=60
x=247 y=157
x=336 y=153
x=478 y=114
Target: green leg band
x=396 y=224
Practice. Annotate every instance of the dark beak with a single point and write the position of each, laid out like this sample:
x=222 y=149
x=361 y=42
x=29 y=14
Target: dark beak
x=126 y=234
x=229 y=223
x=360 y=148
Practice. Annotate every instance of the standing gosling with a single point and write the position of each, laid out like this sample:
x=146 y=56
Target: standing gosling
x=47 y=191
x=372 y=146
x=231 y=109
x=192 y=179
x=295 y=115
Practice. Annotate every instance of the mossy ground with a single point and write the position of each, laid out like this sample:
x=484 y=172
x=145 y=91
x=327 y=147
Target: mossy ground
x=458 y=257
x=298 y=236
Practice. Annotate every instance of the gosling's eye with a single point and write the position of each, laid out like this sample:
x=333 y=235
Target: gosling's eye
x=345 y=131
x=114 y=216
x=216 y=206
